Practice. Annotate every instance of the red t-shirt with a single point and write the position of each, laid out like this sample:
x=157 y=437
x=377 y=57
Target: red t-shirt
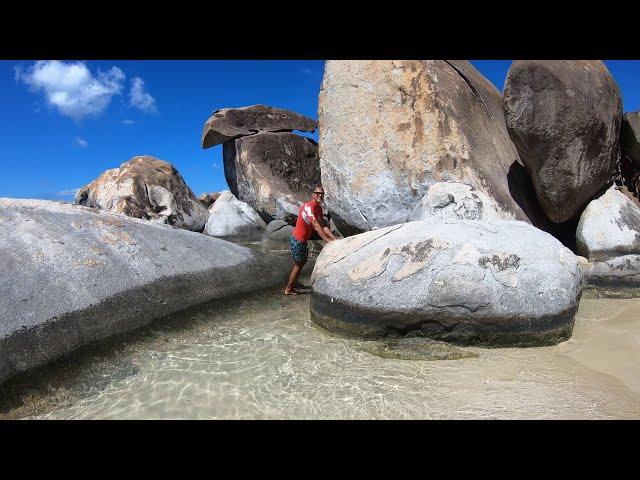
x=308 y=211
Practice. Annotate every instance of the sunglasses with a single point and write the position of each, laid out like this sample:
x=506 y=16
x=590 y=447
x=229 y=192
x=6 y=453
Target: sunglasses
x=319 y=193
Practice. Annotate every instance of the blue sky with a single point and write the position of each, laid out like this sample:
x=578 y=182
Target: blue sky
x=62 y=124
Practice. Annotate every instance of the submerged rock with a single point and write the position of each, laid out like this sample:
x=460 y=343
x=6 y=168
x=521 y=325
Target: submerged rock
x=621 y=272
x=234 y=220
x=391 y=129
x=273 y=172
x=146 y=188
x=564 y=118
x=227 y=124
x=71 y=275
x=416 y=349
x=470 y=282
x=609 y=227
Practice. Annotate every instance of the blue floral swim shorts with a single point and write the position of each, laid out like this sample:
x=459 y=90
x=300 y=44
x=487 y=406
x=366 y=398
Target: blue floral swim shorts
x=298 y=249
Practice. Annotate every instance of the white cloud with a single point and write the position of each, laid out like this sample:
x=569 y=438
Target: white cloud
x=68 y=193
x=71 y=87
x=141 y=99
x=128 y=122
x=81 y=142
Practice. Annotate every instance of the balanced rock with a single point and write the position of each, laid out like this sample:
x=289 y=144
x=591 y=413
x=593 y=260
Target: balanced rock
x=208 y=199
x=391 y=129
x=609 y=227
x=72 y=275
x=146 y=188
x=228 y=124
x=273 y=172
x=564 y=118
x=470 y=282
x=234 y=220
x=630 y=137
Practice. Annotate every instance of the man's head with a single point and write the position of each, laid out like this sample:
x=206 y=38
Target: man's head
x=318 y=194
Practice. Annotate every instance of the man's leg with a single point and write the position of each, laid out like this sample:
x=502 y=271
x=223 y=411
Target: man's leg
x=293 y=277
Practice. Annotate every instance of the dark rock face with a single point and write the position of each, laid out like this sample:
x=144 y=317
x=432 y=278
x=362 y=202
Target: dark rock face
x=147 y=188
x=230 y=123
x=630 y=137
x=390 y=130
x=273 y=172
x=564 y=118
x=92 y=274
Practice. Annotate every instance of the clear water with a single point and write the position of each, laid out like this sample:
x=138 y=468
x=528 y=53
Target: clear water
x=262 y=358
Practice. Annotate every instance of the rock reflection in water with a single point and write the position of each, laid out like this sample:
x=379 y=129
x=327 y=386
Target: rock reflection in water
x=262 y=357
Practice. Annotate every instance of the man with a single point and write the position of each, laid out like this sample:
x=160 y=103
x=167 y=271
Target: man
x=310 y=218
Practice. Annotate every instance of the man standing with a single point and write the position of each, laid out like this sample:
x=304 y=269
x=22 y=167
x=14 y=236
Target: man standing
x=310 y=218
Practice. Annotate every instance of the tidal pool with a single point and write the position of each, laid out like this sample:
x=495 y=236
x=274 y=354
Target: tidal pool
x=261 y=357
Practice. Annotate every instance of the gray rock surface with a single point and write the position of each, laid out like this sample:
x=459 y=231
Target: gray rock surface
x=609 y=227
x=273 y=172
x=617 y=273
x=71 y=275
x=391 y=129
x=564 y=118
x=277 y=235
x=630 y=137
x=147 y=188
x=228 y=124
x=234 y=220
x=456 y=201
x=469 y=282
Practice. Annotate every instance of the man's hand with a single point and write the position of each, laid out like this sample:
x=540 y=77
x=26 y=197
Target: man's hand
x=321 y=231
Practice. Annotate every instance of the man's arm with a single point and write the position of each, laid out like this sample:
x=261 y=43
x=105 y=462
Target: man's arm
x=324 y=232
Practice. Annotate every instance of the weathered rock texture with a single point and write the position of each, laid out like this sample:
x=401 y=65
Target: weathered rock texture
x=609 y=227
x=208 y=199
x=630 y=137
x=273 y=172
x=71 y=275
x=389 y=130
x=234 y=220
x=230 y=123
x=564 y=118
x=617 y=273
x=147 y=188
x=277 y=235
x=470 y=282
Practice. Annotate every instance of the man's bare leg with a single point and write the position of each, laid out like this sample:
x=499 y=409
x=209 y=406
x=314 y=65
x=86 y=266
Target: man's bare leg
x=293 y=278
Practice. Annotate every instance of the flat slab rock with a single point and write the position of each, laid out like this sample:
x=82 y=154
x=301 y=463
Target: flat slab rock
x=468 y=282
x=228 y=124
x=619 y=273
x=71 y=275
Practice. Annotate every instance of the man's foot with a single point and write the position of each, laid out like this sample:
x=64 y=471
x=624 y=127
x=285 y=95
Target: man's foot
x=292 y=292
x=303 y=287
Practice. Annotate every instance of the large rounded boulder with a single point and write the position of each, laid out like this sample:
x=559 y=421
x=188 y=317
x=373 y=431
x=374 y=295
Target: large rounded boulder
x=273 y=172
x=564 y=118
x=469 y=282
x=147 y=188
x=391 y=129
x=609 y=227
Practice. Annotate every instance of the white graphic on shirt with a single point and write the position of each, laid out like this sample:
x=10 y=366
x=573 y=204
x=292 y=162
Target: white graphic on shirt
x=307 y=214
